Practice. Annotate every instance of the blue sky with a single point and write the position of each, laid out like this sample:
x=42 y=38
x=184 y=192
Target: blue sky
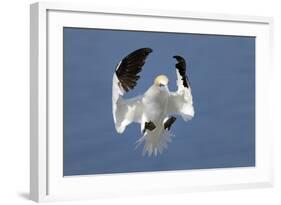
x=221 y=70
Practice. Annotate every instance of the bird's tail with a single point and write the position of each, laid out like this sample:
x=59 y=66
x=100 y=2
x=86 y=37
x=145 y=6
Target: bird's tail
x=154 y=144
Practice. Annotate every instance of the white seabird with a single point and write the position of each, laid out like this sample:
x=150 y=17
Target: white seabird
x=155 y=109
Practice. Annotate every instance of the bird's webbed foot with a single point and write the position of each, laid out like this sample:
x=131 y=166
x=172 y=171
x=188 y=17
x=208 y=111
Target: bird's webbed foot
x=168 y=123
x=149 y=126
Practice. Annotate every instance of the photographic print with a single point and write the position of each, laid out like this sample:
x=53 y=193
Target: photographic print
x=142 y=101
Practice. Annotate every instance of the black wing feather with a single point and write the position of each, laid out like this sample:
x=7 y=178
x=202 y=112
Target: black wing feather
x=181 y=67
x=129 y=68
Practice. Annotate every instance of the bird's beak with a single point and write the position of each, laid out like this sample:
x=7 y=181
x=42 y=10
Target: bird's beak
x=163 y=87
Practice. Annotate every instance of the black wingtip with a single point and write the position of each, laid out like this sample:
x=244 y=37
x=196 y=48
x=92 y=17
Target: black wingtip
x=178 y=58
x=128 y=69
x=146 y=50
x=181 y=67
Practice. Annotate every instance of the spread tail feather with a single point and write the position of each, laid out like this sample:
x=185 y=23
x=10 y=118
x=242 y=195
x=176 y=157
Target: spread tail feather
x=154 y=144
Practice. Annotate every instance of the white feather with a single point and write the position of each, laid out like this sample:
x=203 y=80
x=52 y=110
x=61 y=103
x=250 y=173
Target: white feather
x=155 y=143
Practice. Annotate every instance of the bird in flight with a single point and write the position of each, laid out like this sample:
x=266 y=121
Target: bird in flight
x=157 y=108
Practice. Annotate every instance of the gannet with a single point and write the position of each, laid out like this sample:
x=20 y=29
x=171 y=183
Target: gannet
x=155 y=109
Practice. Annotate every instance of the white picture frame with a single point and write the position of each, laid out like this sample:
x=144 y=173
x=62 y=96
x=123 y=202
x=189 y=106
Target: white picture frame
x=46 y=180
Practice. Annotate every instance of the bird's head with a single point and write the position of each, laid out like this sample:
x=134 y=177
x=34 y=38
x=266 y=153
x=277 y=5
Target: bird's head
x=161 y=81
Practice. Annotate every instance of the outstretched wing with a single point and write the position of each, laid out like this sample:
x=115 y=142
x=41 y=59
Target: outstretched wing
x=180 y=102
x=125 y=79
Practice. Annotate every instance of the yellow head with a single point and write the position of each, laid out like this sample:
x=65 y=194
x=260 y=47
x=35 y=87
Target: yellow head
x=161 y=80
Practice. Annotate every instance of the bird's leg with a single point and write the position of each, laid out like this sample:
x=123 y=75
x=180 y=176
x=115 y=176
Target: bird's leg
x=149 y=126
x=168 y=123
